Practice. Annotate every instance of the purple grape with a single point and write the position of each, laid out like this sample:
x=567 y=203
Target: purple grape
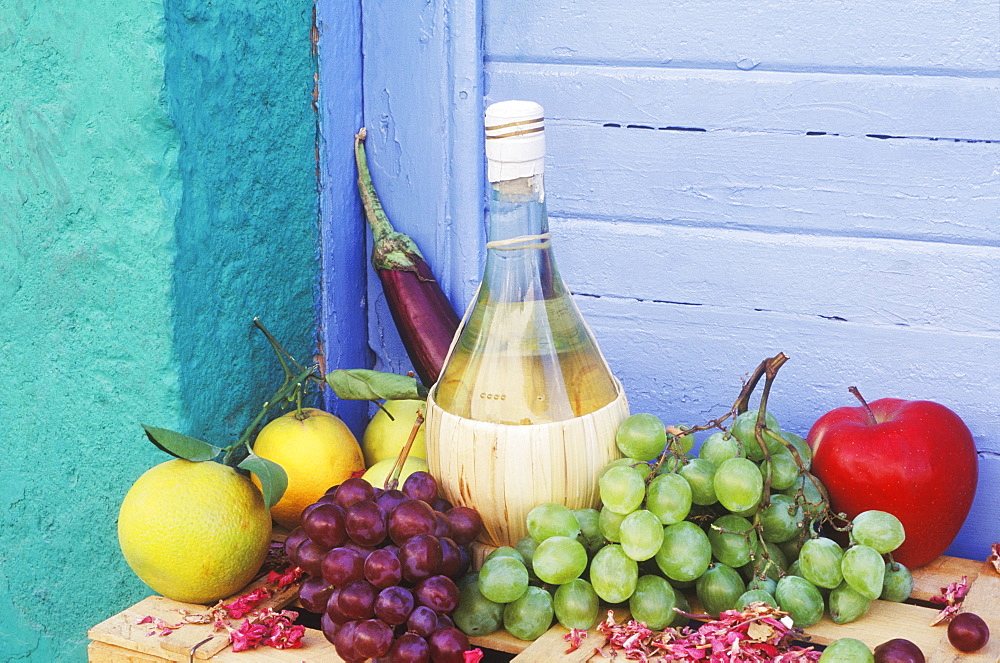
x=451 y=558
x=420 y=557
x=342 y=565
x=309 y=557
x=423 y=621
x=333 y=611
x=898 y=650
x=295 y=538
x=343 y=642
x=372 y=638
x=357 y=599
x=394 y=605
x=383 y=569
x=366 y=523
x=968 y=632
x=448 y=645
x=410 y=518
x=352 y=491
x=329 y=627
x=466 y=562
x=409 y=648
x=439 y=593
x=314 y=594
x=363 y=550
x=421 y=486
x=389 y=499
x=444 y=621
x=324 y=524
x=466 y=524
x=442 y=526
x=441 y=504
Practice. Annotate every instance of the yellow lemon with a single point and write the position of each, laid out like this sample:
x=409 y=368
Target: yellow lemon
x=385 y=437
x=377 y=473
x=316 y=452
x=194 y=532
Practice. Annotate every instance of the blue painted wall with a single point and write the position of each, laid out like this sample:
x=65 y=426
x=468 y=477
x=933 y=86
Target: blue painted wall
x=727 y=181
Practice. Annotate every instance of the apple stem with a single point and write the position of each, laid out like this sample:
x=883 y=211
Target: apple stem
x=871 y=415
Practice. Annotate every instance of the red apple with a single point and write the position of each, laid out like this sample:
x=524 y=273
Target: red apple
x=914 y=459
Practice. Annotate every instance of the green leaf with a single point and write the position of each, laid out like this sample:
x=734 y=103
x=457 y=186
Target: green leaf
x=360 y=384
x=180 y=445
x=273 y=480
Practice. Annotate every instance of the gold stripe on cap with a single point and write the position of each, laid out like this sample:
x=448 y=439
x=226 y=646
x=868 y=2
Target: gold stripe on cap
x=515 y=124
x=516 y=133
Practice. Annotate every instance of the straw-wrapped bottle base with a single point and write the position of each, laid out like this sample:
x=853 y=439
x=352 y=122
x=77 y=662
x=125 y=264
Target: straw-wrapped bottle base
x=504 y=471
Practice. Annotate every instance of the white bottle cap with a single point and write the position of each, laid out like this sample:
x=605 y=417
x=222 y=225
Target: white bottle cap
x=515 y=140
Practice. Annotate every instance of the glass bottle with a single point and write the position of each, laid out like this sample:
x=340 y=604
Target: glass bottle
x=523 y=354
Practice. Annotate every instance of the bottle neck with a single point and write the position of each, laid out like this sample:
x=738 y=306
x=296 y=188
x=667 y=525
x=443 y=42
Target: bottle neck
x=519 y=262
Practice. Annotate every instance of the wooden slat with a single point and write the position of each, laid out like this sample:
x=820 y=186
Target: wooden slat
x=853 y=104
x=982 y=599
x=771 y=34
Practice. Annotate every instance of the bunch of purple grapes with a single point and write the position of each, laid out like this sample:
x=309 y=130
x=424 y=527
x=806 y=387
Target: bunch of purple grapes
x=381 y=568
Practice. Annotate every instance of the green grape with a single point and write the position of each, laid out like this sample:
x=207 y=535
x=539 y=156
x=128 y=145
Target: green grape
x=784 y=470
x=686 y=552
x=552 y=519
x=700 y=474
x=743 y=429
x=719 y=588
x=642 y=467
x=505 y=551
x=771 y=565
x=820 y=562
x=805 y=451
x=847 y=605
x=672 y=463
x=476 y=614
x=791 y=547
x=683 y=443
x=530 y=615
x=795 y=569
x=653 y=602
x=879 y=530
x=503 y=579
x=641 y=436
x=610 y=524
x=847 y=650
x=576 y=604
x=813 y=500
x=738 y=484
x=613 y=574
x=781 y=520
x=800 y=599
x=864 y=570
x=559 y=559
x=641 y=534
x=669 y=498
x=720 y=446
x=622 y=489
x=527 y=547
x=752 y=595
x=732 y=538
x=679 y=619
x=590 y=529
x=897 y=584
x=766 y=584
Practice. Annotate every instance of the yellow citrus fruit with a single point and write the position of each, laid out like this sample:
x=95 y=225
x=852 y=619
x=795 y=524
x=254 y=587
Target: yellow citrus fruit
x=317 y=453
x=377 y=473
x=194 y=532
x=384 y=437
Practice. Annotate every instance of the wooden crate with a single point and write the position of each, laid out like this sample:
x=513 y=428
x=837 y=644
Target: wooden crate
x=120 y=640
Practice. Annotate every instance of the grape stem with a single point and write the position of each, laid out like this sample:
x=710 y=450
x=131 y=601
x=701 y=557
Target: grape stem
x=392 y=480
x=872 y=421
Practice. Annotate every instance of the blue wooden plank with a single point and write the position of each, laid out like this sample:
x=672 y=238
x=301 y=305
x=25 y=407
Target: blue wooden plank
x=423 y=109
x=878 y=282
x=865 y=36
x=342 y=305
x=846 y=104
x=836 y=185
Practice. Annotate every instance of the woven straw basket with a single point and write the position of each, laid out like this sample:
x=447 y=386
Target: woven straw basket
x=504 y=471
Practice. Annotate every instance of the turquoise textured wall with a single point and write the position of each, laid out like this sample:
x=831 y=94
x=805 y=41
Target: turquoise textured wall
x=157 y=190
